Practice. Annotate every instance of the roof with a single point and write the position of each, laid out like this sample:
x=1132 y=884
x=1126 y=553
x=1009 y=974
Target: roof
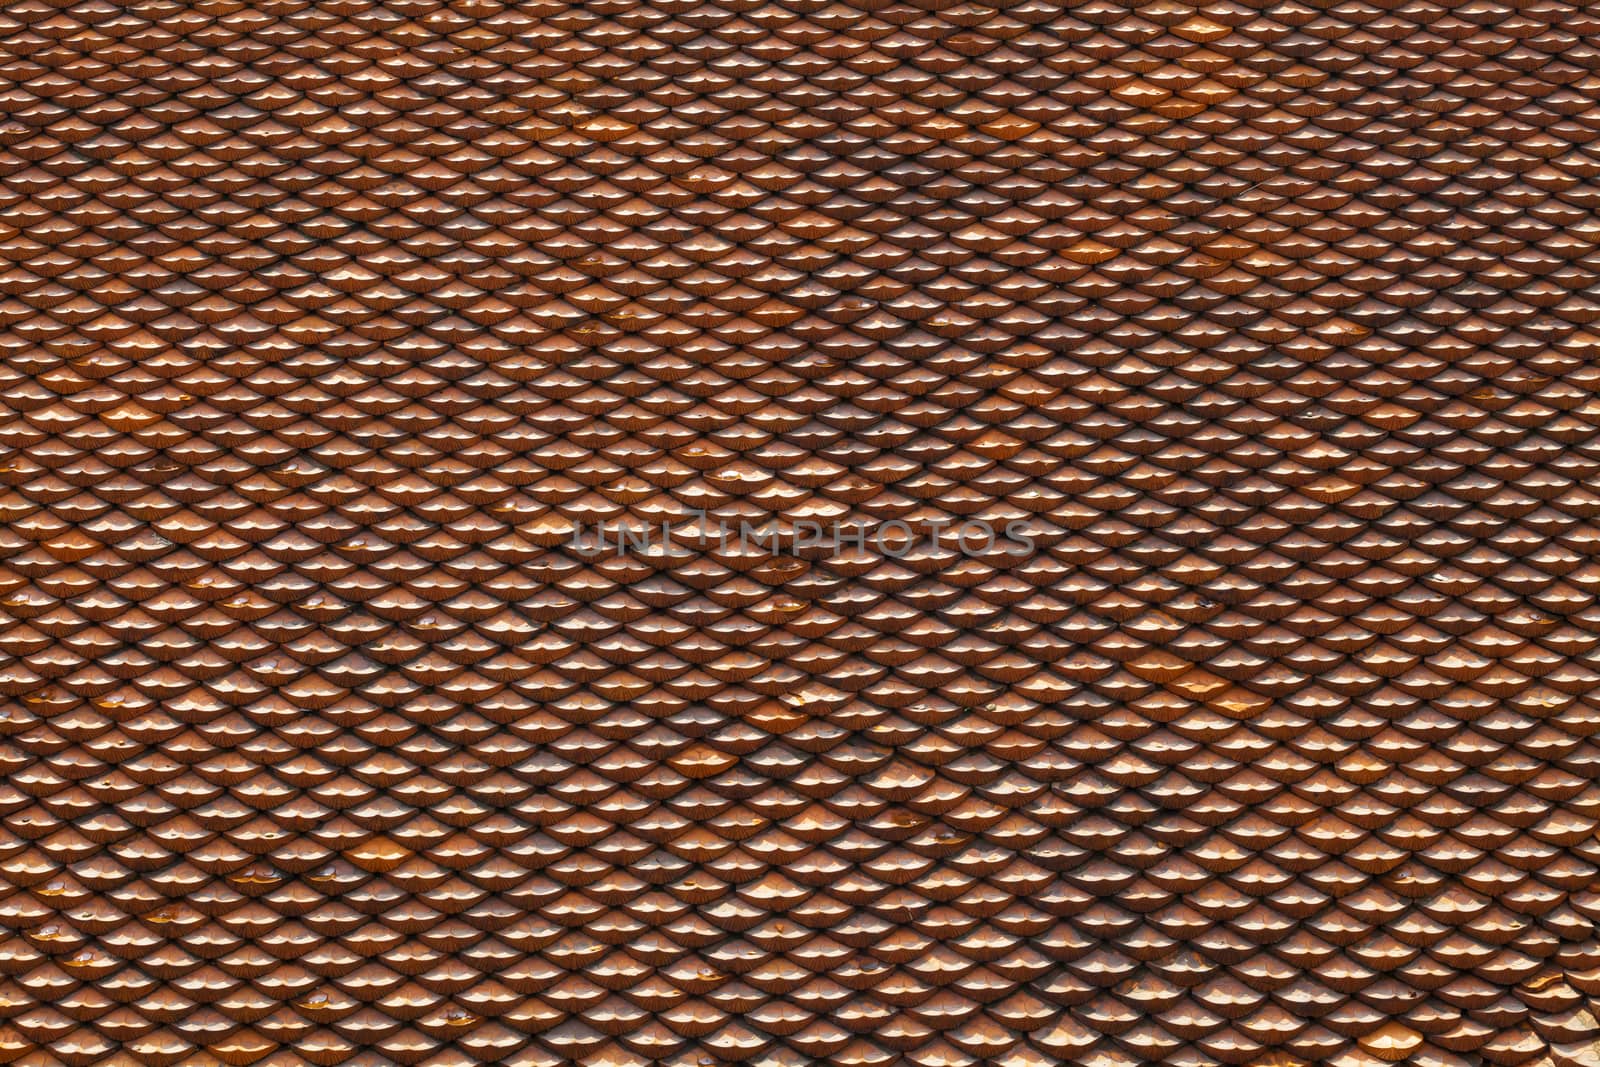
x=855 y=532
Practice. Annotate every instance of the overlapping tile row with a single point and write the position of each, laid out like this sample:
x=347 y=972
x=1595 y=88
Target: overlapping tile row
x=1269 y=327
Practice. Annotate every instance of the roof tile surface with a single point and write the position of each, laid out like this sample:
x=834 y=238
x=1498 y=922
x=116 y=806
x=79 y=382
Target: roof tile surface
x=333 y=732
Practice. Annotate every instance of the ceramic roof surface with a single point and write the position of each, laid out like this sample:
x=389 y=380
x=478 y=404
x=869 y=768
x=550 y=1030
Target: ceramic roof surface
x=1263 y=737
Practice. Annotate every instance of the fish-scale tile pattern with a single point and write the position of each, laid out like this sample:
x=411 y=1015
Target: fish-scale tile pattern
x=333 y=735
